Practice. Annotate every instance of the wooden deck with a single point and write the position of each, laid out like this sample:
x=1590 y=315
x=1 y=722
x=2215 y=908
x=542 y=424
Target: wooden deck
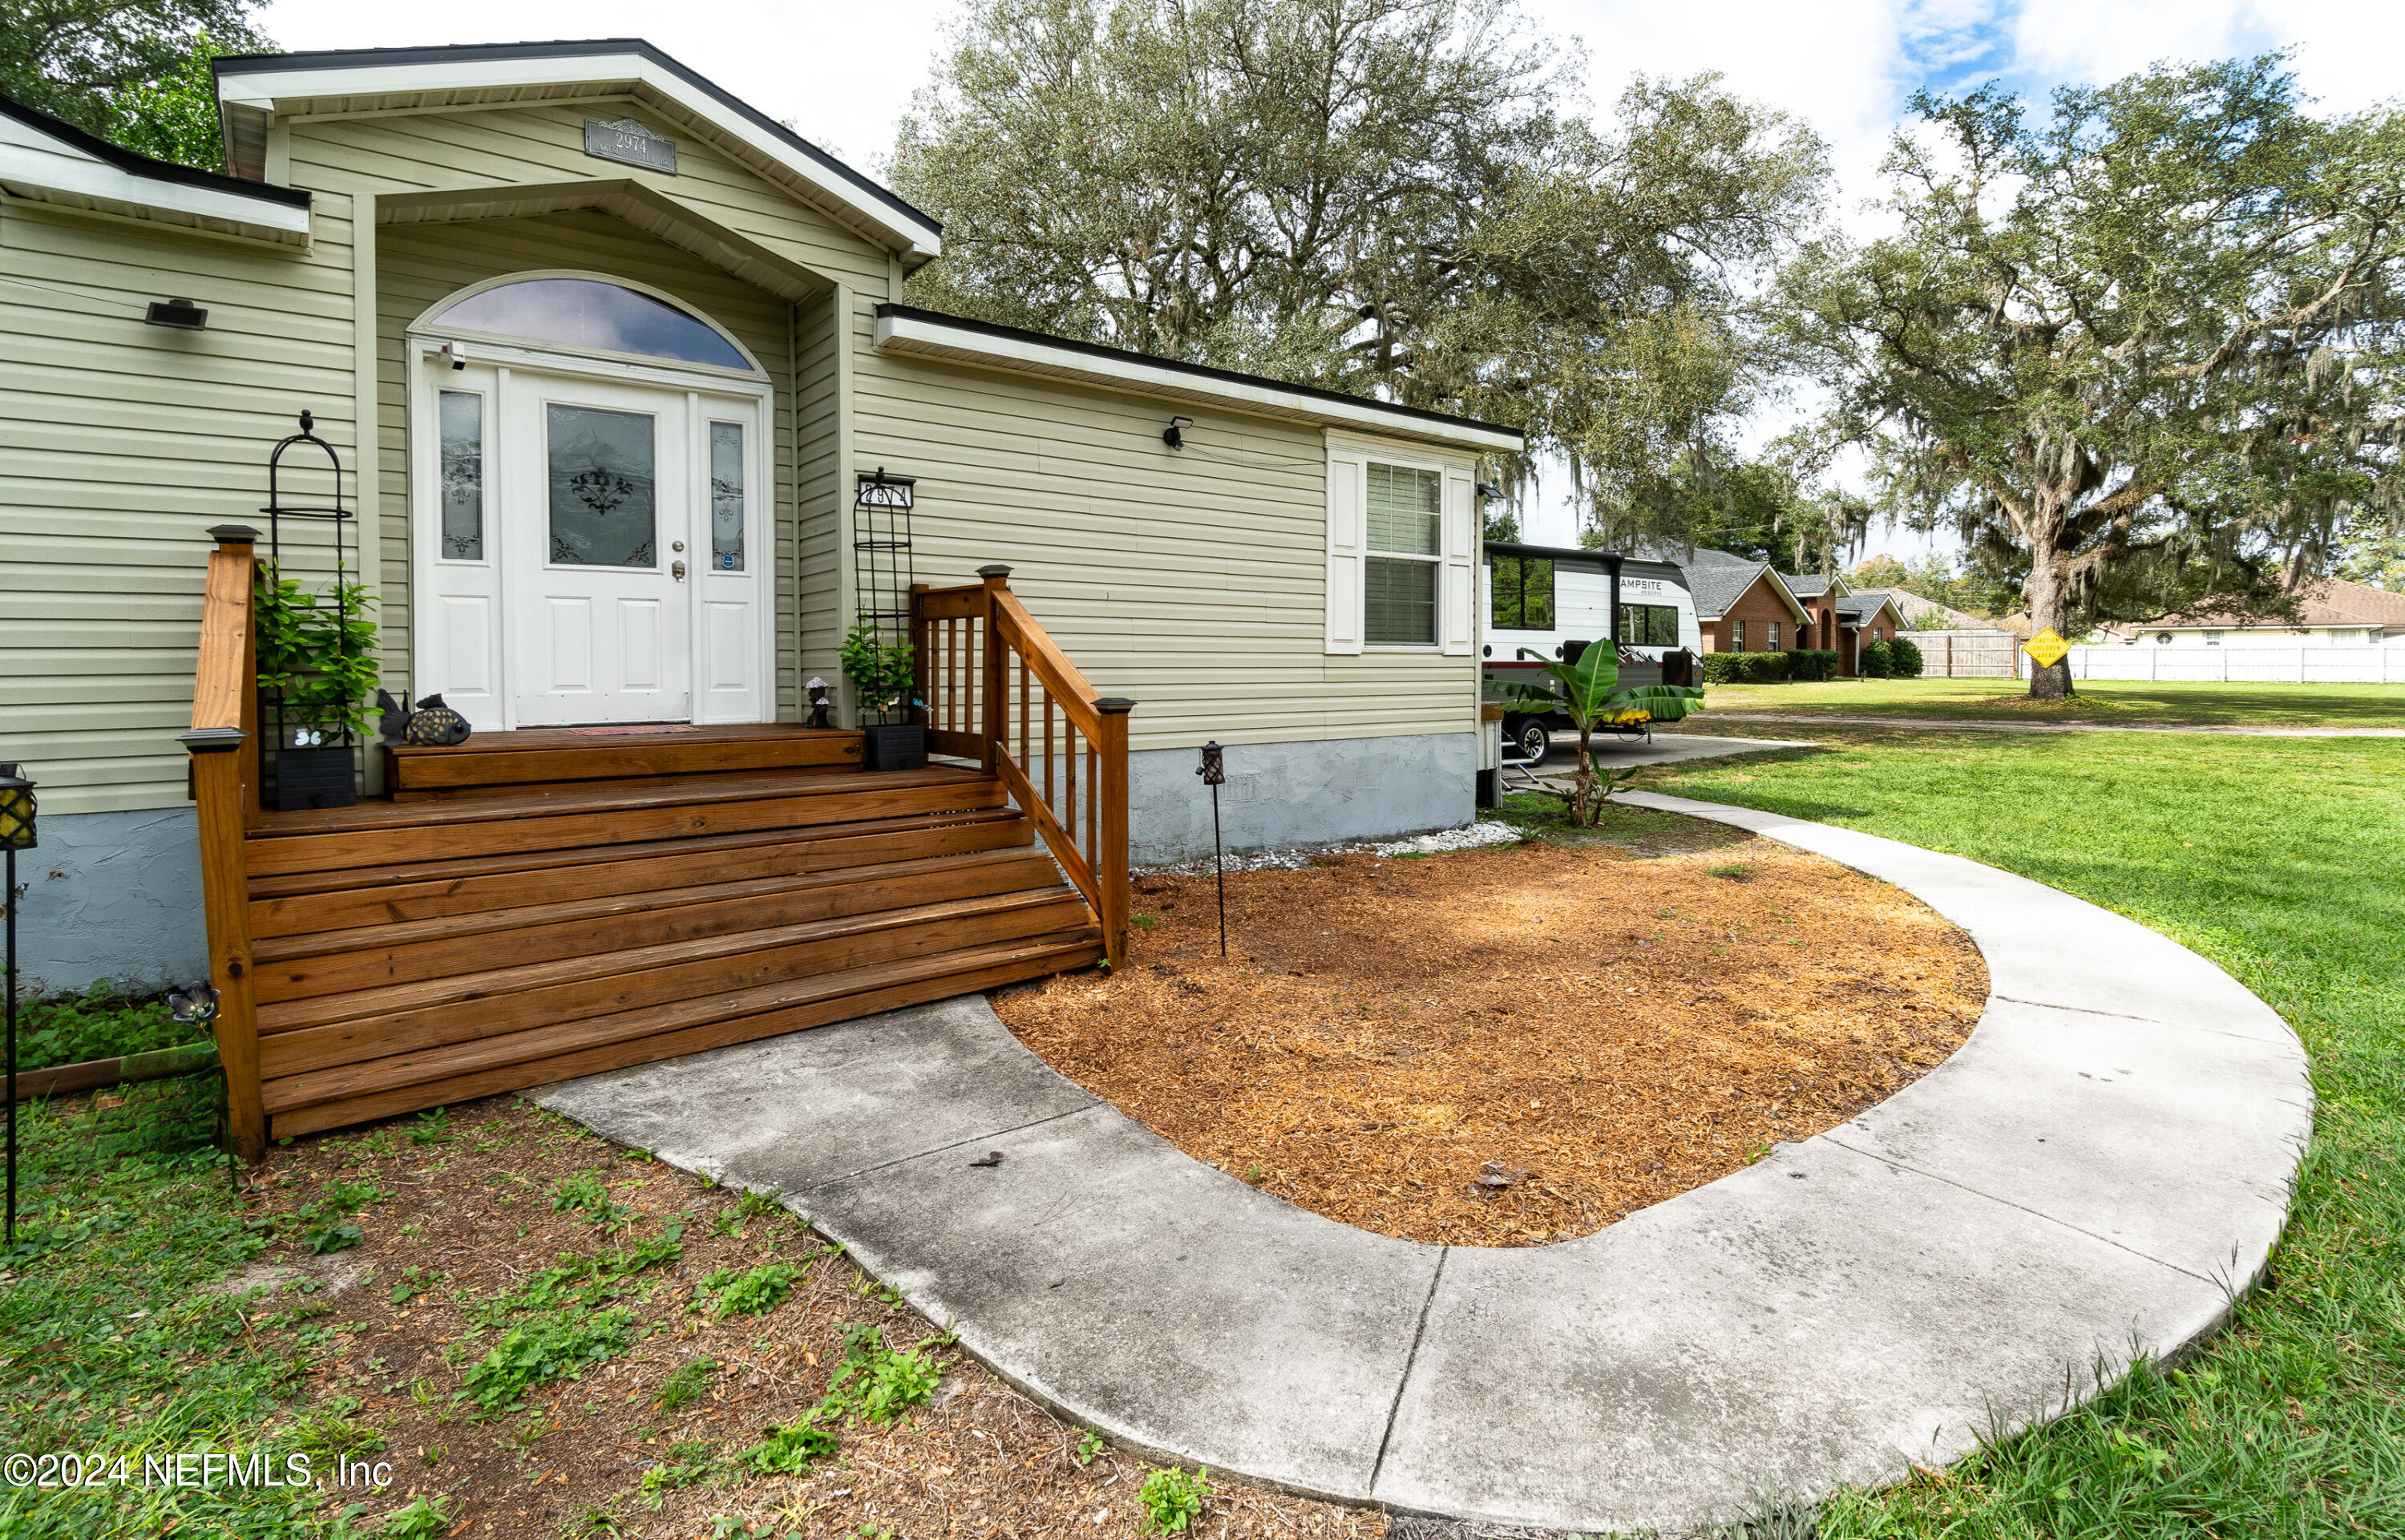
x=530 y=906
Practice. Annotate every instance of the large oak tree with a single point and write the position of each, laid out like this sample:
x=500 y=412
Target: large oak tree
x=1390 y=197
x=135 y=71
x=2145 y=354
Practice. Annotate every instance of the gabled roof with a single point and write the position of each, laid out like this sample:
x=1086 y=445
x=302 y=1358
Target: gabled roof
x=1913 y=609
x=1718 y=579
x=1863 y=608
x=1813 y=584
x=49 y=161
x=906 y=328
x=254 y=88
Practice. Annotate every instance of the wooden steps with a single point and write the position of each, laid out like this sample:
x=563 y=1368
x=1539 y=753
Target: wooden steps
x=535 y=906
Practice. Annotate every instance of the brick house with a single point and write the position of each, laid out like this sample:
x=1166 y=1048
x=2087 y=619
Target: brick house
x=1743 y=605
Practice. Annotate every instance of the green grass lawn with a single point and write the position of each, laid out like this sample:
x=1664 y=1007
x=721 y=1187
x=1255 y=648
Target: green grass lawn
x=2099 y=700
x=2283 y=861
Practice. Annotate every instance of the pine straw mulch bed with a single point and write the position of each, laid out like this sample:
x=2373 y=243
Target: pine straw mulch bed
x=1512 y=1046
x=473 y=1215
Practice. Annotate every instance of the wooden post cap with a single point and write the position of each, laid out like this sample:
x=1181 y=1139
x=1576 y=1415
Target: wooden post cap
x=1116 y=705
x=234 y=534
x=994 y=571
x=212 y=739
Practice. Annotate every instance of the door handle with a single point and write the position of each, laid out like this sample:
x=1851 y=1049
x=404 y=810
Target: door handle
x=676 y=568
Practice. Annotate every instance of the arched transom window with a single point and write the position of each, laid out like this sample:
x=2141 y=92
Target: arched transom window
x=590 y=312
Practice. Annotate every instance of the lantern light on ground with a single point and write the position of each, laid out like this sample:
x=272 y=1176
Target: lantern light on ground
x=17 y=809
x=1214 y=771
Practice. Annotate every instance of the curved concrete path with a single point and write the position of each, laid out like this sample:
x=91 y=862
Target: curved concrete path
x=2090 y=1177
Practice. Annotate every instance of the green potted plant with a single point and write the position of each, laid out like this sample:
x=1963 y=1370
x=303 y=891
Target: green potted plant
x=316 y=655
x=884 y=673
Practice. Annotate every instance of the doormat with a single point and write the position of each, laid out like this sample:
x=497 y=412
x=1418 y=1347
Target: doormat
x=644 y=729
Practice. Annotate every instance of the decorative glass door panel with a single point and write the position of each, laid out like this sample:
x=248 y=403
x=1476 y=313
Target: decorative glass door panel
x=603 y=485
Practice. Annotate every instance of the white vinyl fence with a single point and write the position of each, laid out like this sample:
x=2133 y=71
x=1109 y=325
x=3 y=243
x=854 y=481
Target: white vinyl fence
x=2251 y=663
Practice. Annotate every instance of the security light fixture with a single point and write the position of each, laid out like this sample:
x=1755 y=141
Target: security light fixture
x=1174 y=434
x=454 y=355
x=876 y=489
x=1488 y=491
x=183 y=315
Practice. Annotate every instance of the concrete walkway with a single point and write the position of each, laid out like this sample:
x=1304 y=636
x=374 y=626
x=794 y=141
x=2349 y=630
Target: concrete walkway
x=1668 y=747
x=2091 y=1177
x=1982 y=724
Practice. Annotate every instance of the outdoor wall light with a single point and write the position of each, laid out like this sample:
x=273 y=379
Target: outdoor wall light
x=1488 y=491
x=17 y=809
x=183 y=315
x=454 y=355
x=1174 y=434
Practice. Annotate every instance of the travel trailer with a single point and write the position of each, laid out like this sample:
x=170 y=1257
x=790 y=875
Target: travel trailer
x=1554 y=602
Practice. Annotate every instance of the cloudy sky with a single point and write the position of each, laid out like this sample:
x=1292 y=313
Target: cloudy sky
x=842 y=73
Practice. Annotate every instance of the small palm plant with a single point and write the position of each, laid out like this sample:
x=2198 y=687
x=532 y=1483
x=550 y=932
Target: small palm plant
x=1589 y=692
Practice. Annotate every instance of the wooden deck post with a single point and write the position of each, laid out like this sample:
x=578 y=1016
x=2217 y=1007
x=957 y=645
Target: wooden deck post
x=224 y=743
x=1111 y=873
x=920 y=707
x=996 y=578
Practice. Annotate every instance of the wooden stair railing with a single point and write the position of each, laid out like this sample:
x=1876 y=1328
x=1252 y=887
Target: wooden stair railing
x=978 y=652
x=224 y=743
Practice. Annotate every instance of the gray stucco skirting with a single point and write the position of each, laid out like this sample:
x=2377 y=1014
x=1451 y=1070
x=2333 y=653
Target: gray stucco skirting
x=2091 y=1178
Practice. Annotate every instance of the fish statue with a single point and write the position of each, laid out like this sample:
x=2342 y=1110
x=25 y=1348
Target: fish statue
x=434 y=725
x=392 y=726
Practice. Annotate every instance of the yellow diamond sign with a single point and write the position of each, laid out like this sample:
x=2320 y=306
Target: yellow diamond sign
x=2046 y=647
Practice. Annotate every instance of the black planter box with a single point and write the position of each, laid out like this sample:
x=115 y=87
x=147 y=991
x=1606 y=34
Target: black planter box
x=314 y=778
x=885 y=748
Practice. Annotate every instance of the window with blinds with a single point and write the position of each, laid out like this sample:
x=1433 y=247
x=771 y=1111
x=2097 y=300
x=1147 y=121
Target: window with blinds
x=1406 y=520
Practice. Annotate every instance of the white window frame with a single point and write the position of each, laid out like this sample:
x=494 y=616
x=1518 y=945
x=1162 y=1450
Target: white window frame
x=1349 y=554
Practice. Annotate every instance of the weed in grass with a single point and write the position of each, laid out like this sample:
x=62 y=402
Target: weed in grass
x=1088 y=1447
x=756 y=1292
x=680 y=1466
x=101 y=1023
x=335 y=1236
x=560 y=1347
x=789 y=1450
x=584 y=1193
x=1735 y=871
x=875 y=1384
x=1146 y=922
x=687 y=1385
x=433 y=1128
x=414 y=1281
x=420 y=1520
x=1172 y=1499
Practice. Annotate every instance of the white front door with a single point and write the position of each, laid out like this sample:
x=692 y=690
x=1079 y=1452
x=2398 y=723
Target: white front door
x=588 y=549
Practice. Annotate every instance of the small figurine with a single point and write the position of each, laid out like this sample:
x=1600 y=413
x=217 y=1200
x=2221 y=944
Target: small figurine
x=434 y=725
x=820 y=704
x=394 y=724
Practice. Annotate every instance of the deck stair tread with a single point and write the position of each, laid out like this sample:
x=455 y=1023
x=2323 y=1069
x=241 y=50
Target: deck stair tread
x=735 y=846
x=610 y=796
x=304 y=1107
x=487 y=984
x=391 y=933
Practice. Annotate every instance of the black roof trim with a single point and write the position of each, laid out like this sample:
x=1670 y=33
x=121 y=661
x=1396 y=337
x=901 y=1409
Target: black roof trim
x=1555 y=553
x=1201 y=371
x=150 y=166
x=253 y=64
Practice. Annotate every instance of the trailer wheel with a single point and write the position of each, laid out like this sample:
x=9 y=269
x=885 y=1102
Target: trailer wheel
x=1531 y=737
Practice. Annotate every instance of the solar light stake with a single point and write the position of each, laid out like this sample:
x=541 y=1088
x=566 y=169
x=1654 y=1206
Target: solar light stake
x=1214 y=771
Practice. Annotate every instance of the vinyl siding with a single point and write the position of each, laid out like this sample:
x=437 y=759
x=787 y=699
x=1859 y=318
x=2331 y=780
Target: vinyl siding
x=1193 y=580
x=121 y=444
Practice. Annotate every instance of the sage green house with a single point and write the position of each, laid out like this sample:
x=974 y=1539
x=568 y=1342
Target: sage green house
x=487 y=271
